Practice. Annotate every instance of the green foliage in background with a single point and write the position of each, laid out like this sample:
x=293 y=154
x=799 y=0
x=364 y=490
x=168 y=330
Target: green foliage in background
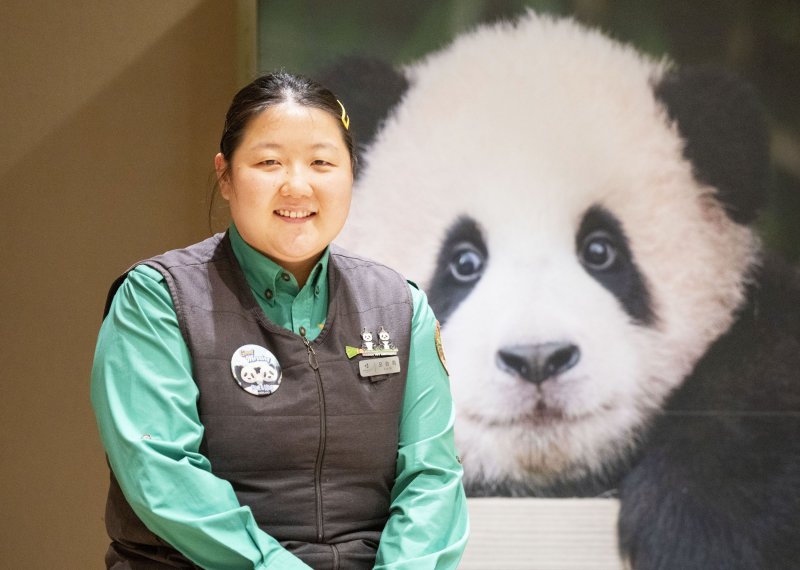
x=760 y=41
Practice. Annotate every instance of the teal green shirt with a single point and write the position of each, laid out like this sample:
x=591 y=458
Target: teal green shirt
x=145 y=400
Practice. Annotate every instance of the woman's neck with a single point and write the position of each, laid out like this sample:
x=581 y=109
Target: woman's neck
x=301 y=269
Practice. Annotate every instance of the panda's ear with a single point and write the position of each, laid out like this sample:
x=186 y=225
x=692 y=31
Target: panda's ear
x=725 y=133
x=368 y=88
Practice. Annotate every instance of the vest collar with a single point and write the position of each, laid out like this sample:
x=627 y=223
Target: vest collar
x=249 y=302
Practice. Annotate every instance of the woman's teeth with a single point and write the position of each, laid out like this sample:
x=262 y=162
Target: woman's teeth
x=294 y=214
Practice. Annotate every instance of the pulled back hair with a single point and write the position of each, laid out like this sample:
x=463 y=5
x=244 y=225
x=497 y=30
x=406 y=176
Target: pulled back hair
x=273 y=89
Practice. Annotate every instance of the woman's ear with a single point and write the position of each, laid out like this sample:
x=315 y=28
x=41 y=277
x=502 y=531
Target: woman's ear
x=223 y=175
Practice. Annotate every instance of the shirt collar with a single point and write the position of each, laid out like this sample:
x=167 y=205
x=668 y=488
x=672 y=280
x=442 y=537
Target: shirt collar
x=262 y=273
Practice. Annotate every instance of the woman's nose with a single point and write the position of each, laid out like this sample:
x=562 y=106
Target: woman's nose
x=296 y=184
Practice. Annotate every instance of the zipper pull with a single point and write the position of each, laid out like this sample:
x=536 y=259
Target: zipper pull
x=312 y=356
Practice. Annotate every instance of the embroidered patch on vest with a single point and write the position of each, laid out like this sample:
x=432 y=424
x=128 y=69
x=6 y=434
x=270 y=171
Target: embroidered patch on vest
x=437 y=339
x=256 y=370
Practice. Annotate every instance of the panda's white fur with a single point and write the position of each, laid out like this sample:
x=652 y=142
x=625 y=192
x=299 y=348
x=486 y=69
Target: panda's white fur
x=522 y=127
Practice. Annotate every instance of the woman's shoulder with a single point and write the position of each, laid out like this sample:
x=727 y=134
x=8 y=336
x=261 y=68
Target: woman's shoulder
x=209 y=249
x=141 y=285
x=345 y=258
x=147 y=277
x=358 y=265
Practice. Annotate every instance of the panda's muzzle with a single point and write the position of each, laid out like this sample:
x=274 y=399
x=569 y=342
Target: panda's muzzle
x=537 y=363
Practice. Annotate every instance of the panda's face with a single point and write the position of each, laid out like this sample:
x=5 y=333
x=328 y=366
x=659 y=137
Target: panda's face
x=548 y=328
x=270 y=373
x=578 y=267
x=254 y=373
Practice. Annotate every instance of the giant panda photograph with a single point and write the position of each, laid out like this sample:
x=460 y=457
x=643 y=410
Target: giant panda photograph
x=587 y=221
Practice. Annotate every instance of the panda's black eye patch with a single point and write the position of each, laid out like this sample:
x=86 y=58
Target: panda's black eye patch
x=599 y=251
x=466 y=264
x=603 y=250
x=461 y=262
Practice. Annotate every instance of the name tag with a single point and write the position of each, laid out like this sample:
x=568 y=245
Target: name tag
x=378 y=366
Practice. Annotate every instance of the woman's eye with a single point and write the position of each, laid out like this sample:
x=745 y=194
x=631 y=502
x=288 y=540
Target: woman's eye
x=599 y=252
x=321 y=162
x=466 y=263
x=270 y=162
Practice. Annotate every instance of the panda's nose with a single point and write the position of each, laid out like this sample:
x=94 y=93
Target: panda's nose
x=538 y=362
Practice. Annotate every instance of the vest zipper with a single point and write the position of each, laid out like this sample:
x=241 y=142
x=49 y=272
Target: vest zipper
x=312 y=361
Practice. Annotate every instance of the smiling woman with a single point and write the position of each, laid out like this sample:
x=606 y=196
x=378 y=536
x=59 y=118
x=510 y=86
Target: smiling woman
x=289 y=184
x=241 y=428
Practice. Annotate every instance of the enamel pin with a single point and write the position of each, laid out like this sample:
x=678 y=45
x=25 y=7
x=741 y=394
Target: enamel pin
x=370 y=347
x=256 y=370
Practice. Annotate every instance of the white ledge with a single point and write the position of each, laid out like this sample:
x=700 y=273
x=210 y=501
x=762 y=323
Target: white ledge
x=542 y=534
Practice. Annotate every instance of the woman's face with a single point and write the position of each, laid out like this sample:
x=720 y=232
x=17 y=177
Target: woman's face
x=289 y=184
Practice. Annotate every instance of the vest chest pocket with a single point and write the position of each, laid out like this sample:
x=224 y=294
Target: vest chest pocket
x=347 y=392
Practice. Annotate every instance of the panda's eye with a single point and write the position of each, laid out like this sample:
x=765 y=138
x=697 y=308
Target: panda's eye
x=466 y=263
x=598 y=251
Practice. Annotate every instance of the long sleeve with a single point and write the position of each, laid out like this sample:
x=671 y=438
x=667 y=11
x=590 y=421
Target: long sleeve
x=428 y=522
x=145 y=401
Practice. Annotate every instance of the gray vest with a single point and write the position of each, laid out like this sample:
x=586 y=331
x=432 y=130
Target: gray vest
x=315 y=460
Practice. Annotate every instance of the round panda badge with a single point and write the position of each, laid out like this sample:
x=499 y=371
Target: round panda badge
x=256 y=370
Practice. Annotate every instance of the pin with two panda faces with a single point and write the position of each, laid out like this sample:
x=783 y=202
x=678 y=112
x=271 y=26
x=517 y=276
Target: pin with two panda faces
x=256 y=370
x=371 y=347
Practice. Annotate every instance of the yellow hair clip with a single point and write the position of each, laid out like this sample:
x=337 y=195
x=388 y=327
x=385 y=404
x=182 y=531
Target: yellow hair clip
x=345 y=118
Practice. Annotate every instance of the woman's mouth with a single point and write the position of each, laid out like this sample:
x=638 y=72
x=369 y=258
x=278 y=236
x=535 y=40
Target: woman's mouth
x=295 y=215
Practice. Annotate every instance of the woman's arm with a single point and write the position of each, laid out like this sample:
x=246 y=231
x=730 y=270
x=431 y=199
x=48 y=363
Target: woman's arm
x=428 y=523
x=145 y=400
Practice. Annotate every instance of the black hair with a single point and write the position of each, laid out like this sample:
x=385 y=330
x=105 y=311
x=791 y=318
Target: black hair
x=274 y=89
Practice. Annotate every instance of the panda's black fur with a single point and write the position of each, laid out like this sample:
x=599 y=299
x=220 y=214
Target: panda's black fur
x=622 y=278
x=460 y=263
x=718 y=483
x=723 y=125
x=713 y=481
